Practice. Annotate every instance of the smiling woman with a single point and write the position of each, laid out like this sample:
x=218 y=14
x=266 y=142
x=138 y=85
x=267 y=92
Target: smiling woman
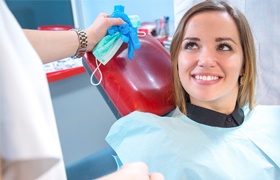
x=210 y=61
x=224 y=43
x=216 y=131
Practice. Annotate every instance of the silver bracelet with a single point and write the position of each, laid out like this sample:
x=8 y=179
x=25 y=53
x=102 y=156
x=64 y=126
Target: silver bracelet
x=83 y=43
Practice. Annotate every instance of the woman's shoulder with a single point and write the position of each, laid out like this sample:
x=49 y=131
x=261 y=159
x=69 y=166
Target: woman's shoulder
x=262 y=126
x=146 y=120
x=139 y=115
x=264 y=119
x=265 y=110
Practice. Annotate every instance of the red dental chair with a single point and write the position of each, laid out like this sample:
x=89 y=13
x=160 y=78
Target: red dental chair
x=143 y=83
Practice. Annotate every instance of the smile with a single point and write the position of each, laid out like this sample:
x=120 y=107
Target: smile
x=206 y=78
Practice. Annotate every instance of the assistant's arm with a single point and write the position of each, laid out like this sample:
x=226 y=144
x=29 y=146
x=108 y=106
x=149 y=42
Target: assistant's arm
x=55 y=45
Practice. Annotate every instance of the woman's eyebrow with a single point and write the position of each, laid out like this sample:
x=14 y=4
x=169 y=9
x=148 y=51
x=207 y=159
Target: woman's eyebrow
x=191 y=38
x=224 y=39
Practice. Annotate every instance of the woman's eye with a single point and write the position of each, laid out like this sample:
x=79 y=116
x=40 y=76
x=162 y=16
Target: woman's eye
x=224 y=47
x=191 y=45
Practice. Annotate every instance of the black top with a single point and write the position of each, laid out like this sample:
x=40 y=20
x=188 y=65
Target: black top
x=213 y=118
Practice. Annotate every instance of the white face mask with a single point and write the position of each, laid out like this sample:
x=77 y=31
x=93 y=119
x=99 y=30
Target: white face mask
x=110 y=44
x=105 y=57
x=104 y=51
x=107 y=48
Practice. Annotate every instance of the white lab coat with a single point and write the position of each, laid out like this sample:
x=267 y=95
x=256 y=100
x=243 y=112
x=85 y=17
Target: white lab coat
x=30 y=147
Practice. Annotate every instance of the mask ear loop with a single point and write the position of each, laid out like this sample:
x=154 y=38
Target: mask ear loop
x=140 y=34
x=97 y=69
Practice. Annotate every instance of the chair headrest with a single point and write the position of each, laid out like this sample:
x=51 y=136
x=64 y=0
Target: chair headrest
x=143 y=83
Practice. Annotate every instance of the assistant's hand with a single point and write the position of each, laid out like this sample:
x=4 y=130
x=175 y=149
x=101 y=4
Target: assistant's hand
x=133 y=171
x=99 y=27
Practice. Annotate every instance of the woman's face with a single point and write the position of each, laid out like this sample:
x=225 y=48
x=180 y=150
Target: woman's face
x=210 y=61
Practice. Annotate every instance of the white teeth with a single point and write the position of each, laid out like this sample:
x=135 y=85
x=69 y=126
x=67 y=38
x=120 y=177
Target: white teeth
x=206 y=78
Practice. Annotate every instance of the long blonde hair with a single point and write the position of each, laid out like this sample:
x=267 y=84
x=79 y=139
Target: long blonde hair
x=247 y=88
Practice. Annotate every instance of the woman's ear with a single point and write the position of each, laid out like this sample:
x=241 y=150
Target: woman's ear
x=242 y=70
x=241 y=76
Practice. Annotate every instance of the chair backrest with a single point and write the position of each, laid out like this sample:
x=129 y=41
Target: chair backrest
x=143 y=83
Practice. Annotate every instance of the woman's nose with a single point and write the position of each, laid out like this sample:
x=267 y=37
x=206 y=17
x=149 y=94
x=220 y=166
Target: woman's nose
x=207 y=58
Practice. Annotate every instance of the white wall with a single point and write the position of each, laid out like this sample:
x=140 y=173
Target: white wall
x=87 y=10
